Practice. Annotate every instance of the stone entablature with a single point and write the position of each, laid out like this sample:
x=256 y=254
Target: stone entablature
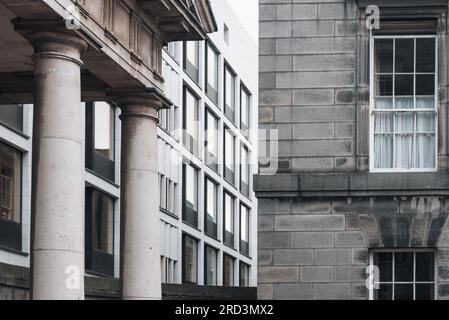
x=125 y=36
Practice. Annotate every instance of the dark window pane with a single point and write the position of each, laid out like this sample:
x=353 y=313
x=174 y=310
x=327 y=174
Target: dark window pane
x=425 y=55
x=403 y=85
x=385 y=292
x=425 y=292
x=228 y=271
x=384 y=56
x=403 y=292
x=211 y=267
x=384 y=261
x=384 y=85
x=425 y=268
x=404 y=55
x=403 y=265
x=12 y=115
x=10 y=183
x=190 y=260
x=244 y=275
x=425 y=84
x=103 y=224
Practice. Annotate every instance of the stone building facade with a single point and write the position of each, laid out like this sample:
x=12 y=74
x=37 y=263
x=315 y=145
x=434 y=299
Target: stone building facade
x=362 y=178
x=70 y=59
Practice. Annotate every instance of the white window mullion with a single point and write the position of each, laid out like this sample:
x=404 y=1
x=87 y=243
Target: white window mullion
x=414 y=157
x=414 y=275
x=394 y=104
x=392 y=276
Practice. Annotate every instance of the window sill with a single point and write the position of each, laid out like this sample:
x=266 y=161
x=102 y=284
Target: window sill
x=168 y=213
x=95 y=274
x=212 y=237
x=246 y=255
x=16 y=131
x=14 y=251
x=230 y=247
x=191 y=225
x=112 y=183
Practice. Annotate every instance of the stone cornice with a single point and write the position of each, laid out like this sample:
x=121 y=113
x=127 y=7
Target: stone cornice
x=402 y=3
x=351 y=184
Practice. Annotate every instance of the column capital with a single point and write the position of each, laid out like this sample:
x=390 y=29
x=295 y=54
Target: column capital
x=52 y=39
x=144 y=102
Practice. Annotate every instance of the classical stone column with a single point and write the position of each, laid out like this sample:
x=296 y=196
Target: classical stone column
x=140 y=240
x=57 y=252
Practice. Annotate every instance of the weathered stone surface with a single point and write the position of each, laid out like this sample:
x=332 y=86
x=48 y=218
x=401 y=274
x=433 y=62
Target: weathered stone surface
x=443 y=254
x=349 y=274
x=266 y=115
x=314 y=28
x=278 y=274
x=313 y=131
x=313 y=97
x=267 y=46
x=443 y=272
x=332 y=257
x=349 y=239
x=275 y=29
x=297 y=291
x=270 y=240
x=312 y=239
x=275 y=64
x=264 y=257
x=321 y=45
x=309 y=222
x=265 y=222
x=359 y=291
x=352 y=221
x=328 y=79
x=293 y=257
x=360 y=256
x=332 y=291
x=267 y=12
x=265 y=291
x=310 y=206
x=274 y=206
x=345 y=28
x=324 y=62
x=313 y=164
x=304 y=11
x=444 y=240
x=316 y=274
x=368 y=224
x=443 y=290
x=344 y=130
x=346 y=10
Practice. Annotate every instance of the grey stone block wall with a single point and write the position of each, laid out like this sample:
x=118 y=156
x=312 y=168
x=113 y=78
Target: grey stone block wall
x=319 y=248
x=308 y=81
x=323 y=212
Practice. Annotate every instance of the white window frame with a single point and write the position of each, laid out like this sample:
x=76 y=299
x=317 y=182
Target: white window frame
x=414 y=250
x=371 y=113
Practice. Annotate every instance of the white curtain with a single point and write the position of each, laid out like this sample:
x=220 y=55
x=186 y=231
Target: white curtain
x=425 y=103
x=404 y=103
x=425 y=140
x=383 y=141
x=404 y=140
x=384 y=103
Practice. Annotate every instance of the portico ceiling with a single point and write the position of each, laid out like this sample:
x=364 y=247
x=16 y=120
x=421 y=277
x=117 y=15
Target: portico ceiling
x=125 y=38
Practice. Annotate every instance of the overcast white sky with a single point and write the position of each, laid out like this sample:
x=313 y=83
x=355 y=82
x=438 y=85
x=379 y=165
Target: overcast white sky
x=248 y=12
